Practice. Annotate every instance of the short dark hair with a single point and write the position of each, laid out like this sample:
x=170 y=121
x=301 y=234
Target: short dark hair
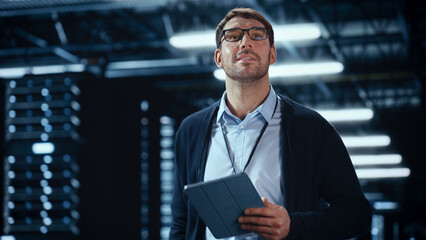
x=246 y=13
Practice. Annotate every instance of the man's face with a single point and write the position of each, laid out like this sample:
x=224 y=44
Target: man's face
x=246 y=60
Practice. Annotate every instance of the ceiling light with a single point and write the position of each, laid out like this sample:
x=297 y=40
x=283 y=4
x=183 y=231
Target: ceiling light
x=137 y=64
x=19 y=72
x=294 y=70
x=366 y=141
x=380 y=159
x=194 y=39
x=305 y=69
x=376 y=173
x=385 y=205
x=10 y=73
x=282 y=33
x=344 y=115
x=54 y=69
x=297 y=32
x=48 y=69
x=7 y=237
x=43 y=148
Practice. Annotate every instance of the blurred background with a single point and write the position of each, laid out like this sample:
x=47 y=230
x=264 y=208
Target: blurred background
x=92 y=93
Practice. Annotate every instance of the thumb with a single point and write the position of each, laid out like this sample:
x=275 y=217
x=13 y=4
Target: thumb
x=266 y=202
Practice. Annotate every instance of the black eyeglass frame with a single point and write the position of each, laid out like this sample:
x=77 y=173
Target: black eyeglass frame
x=242 y=35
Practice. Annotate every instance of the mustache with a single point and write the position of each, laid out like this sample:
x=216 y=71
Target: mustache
x=246 y=51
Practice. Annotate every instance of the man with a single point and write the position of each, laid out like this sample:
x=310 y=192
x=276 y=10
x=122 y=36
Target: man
x=295 y=159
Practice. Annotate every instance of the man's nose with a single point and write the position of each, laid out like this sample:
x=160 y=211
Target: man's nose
x=246 y=41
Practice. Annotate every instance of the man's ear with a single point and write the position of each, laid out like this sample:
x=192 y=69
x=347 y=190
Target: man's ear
x=273 y=55
x=218 y=58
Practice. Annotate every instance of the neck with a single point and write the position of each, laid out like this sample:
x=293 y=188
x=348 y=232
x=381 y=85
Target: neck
x=244 y=98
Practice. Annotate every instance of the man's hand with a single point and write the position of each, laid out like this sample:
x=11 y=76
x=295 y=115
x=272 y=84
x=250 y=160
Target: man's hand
x=272 y=222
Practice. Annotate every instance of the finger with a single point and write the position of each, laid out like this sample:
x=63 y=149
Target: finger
x=266 y=212
x=258 y=221
x=260 y=229
x=268 y=236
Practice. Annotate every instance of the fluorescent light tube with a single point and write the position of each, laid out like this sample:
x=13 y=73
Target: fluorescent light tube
x=377 y=173
x=10 y=73
x=75 y=67
x=52 y=69
x=380 y=159
x=136 y=64
x=19 y=72
x=385 y=205
x=43 y=148
x=366 y=141
x=294 y=70
x=7 y=237
x=305 y=69
x=345 y=115
x=194 y=39
x=282 y=33
x=297 y=32
x=48 y=69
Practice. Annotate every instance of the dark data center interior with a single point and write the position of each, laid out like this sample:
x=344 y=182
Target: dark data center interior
x=92 y=93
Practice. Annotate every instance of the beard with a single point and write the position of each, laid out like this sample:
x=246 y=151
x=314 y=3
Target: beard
x=246 y=74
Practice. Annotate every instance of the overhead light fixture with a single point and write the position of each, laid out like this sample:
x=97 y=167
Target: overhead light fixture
x=43 y=148
x=7 y=237
x=378 y=173
x=194 y=39
x=11 y=73
x=294 y=70
x=379 y=159
x=297 y=32
x=54 y=69
x=48 y=69
x=347 y=115
x=385 y=205
x=366 y=141
x=137 y=64
x=282 y=33
x=19 y=72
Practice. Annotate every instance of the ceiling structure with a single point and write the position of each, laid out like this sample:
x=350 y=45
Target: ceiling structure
x=381 y=43
x=374 y=40
x=378 y=36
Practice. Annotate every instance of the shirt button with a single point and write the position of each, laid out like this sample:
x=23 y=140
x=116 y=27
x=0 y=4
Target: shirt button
x=242 y=126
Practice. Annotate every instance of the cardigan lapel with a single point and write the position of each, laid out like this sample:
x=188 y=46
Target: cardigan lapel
x=287 y=110
x=207 y=122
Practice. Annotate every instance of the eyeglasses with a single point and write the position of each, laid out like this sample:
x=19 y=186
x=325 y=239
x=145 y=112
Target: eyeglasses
x=236 y=34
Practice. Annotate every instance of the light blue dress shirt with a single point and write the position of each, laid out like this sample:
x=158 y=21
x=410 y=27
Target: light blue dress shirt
x=265 y=167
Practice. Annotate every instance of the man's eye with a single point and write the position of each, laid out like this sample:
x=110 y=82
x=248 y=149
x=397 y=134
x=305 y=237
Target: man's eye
x=233 y=36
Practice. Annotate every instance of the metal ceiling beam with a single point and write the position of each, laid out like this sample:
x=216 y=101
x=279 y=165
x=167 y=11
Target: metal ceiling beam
x=336 y=51
x=59 y=29
x=326 y=35
x=31 y=7
x=43 y=43
x=94 y=47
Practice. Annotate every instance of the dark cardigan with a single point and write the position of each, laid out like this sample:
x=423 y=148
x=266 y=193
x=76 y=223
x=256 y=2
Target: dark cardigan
x=316 y=168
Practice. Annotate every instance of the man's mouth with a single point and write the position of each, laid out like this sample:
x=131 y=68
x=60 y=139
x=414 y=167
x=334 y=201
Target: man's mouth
x=246 y=58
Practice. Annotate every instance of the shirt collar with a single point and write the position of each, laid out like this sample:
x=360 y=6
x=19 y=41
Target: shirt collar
x=266 y=108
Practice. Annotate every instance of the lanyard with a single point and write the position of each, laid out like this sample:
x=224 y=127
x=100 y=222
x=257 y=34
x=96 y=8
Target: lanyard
x=255 y=145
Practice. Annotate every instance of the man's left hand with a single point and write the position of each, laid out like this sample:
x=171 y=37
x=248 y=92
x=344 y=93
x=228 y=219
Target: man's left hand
x=271 y=222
